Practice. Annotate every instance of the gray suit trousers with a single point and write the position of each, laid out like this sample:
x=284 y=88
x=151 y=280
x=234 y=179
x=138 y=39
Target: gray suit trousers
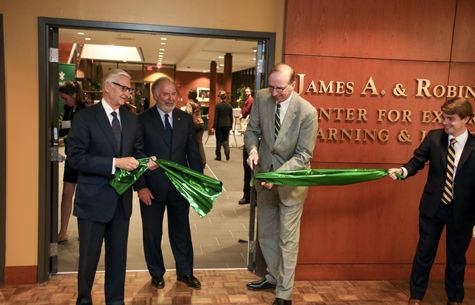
x=279 y=234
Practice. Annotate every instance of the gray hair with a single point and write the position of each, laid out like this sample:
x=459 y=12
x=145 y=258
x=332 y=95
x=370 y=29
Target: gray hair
x=113 y=73
x=158 y=81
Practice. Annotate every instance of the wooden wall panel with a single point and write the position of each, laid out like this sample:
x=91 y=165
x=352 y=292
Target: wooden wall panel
x=464 y=44
x=370 y=230
x=386 y=74
x=394 y=29
x=373 y=222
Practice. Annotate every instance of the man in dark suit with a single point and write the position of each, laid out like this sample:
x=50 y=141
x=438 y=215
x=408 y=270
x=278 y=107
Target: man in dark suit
x=104 y=137
x=448 y=199
x=169 y=133
x=223 y=122
x=287 y=127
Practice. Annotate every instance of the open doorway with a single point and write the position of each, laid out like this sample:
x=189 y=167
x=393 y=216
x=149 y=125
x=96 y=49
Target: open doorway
x=48 y=70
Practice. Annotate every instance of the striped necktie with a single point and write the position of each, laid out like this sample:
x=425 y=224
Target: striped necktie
x=449 y=178
x=277 y=121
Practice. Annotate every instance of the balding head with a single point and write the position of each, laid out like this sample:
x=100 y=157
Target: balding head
x=285 y=70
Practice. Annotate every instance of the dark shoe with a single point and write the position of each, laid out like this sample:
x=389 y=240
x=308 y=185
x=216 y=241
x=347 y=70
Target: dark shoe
x=244 y=200
x=262 y=284
x=227 y=157
x=218 y=158
x=278 y=301
x=189 y=280
x=158 y=282
x=414 y=302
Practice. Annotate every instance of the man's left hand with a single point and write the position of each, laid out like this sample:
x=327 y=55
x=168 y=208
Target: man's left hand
x=152 y=165
x=267 y=185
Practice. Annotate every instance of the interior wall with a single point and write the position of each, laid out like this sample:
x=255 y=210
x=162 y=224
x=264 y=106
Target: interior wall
x=21 y=69
x=373 y=53
x=187 y=80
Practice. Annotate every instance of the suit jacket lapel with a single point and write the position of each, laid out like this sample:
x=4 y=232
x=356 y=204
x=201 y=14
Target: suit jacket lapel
x=444 y=144
x=467 y=150
x=158 y=123
x=288 y=119
x=103 y=121
x=178 y=127
x=126 y=132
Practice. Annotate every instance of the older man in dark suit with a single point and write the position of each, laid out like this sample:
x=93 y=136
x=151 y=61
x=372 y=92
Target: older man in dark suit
x=104 y=137
x=169 y=134
x=448 y=199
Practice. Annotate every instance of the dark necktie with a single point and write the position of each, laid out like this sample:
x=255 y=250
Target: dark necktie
x=116 y=129
x=449 y=177
x=277 y=121
x=168 y=128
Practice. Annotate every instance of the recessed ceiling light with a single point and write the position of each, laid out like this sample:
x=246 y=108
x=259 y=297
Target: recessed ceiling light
x=222 y=65
x=205 y=71
x=80 y=33
x=87 y=38
x=163 y=38
x=255 y=50
x=160 y=55
x=253 y=59
x=160 y=52
x=162 y=49
x=163 y=43
x=221 y=57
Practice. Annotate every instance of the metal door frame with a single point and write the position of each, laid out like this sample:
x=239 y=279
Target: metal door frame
x=47 y=86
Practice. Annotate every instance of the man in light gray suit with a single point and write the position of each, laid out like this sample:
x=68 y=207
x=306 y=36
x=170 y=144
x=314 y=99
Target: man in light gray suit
x=287 y=127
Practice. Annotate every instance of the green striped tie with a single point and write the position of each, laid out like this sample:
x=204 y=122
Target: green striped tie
x=277 y=121
x=449 y=178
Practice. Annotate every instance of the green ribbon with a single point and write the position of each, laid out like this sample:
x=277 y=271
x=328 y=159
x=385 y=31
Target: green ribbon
x=199 y=190
x=313 y=177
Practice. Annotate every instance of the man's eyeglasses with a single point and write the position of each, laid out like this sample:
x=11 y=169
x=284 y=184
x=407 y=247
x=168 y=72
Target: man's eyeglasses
x=124 y=88
x=278 y=89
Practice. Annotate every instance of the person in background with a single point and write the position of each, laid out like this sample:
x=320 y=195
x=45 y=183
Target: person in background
x=245 y=112
x=287 y=127
x=448 y=199
x=223 y=122
x=193 y=107
x=74 y=100
x=104 y=137
x=169 y=133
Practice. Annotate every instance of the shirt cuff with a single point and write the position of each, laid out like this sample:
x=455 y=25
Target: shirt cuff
x=113 y=166
x=404 y=172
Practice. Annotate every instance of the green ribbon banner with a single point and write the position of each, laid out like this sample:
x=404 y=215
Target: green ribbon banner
x=199 y=190
x=313 y=177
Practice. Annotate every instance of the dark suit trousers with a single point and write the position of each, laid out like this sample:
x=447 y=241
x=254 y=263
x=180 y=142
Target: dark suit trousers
x=91 y=235
x=430 y=230
x=178 y=232
x=247 y=175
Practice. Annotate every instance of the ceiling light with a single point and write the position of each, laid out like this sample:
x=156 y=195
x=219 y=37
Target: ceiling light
x=160 y=55
x=205 y=71
x=87 y=38
x=160 y=52
x=163 y=38
x=80 y=33
x=163 y=43
x=255 y=50
x=222 y=65
x=124 y=60
x=112 y=53
x=221 y=57
x=253 y=59
x=162 y=49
